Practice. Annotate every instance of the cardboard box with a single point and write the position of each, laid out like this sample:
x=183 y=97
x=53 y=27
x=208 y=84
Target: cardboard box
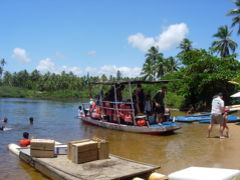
x=103 y=148
x=61 y=149
x=85 y=152
x=42 y=148
x=69 y=153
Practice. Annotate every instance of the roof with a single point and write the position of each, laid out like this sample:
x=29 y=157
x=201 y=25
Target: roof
x=132 y=82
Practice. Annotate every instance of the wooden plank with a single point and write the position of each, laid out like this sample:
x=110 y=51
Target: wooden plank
x=113 y=168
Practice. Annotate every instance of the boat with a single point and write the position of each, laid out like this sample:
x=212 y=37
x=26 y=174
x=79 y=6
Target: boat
x=61 y=168
x=206 y=118
x=121 y=115
x=234 y=107
x=231 y=119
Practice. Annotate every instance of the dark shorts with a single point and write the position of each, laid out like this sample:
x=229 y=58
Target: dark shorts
x=217 y=118
x=160 y=109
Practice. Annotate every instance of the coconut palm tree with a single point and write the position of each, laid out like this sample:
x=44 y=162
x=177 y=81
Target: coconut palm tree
x=185 y=45
x=159 y=66
x=149 y=67
x=148 y=70
x=224 y=44
x=2 y=63
x=236 y=13
x=171 y=64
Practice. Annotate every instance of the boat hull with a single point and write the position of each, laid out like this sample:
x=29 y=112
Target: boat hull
x=152 y=129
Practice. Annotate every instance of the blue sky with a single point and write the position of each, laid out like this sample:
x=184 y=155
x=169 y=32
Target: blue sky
x=103 y=36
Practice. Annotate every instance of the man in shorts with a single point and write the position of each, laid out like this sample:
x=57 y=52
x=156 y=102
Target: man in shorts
x=217 y=114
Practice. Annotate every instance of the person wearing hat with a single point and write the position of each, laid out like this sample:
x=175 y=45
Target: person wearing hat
x=217 y=114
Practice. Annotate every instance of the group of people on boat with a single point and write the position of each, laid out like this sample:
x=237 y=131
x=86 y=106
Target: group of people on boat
x=113 y=108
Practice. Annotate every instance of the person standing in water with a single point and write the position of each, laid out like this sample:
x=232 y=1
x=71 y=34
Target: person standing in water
x=5 y=119
x=31 y=120
x=217 y=114
x=26 y=141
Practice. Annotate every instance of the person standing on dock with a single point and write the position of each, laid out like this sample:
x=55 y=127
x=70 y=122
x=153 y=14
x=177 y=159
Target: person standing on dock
x=217 y=114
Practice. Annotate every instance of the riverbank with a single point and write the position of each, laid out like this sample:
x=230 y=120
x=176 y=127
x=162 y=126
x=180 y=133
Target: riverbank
x=15 y=92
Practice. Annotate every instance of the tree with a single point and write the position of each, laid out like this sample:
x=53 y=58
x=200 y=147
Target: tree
x=224 y=44
x=236 y=13
x=171 y=65
x=2 y=63
x=147 y=70
x=104 y=77
x=160 y=66
x=149 y=67
x=205 y=76
x=186 y=48
x=118 y=75
x=7 y=78
x=185 y=45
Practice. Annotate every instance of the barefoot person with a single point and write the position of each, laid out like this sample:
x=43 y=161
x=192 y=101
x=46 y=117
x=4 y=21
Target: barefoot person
x=225 y=118
x=217 y=114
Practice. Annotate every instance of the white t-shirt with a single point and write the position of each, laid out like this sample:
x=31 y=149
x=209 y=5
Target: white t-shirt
x=217 y=106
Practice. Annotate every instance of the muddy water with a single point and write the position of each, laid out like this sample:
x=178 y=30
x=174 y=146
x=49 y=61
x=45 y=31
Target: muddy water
x=57 y=120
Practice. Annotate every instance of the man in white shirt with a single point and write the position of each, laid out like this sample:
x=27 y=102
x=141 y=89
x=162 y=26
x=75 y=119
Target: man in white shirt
x=217 y=114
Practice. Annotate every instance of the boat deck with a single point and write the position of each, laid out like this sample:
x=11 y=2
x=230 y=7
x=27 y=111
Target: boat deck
x=61 y=168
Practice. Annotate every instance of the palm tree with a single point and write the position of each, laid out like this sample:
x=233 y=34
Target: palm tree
x=236 y=13
x=2 y=63
x=225 y=44
x=159 y=67
x=171 y=65
x=185 y=45
x=147 y=70
x=149 y=67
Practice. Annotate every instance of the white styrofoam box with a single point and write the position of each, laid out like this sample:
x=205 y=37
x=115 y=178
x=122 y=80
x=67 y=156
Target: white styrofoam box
x=61 y=149
x=204 y=173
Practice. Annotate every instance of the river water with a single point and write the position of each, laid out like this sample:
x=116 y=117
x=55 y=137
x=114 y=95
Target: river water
x=57 y=120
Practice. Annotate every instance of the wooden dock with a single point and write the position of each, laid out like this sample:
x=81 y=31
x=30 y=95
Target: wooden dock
x=61 y=168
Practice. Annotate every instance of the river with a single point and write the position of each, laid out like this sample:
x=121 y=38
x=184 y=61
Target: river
x=57 y=120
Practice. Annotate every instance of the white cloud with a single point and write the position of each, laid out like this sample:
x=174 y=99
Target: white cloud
x=47 y=65
x=92 y=53
x=112 y=70
x=21 y=55
x=164 y=41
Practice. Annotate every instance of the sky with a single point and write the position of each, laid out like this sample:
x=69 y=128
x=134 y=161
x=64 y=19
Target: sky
x=103 y=36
